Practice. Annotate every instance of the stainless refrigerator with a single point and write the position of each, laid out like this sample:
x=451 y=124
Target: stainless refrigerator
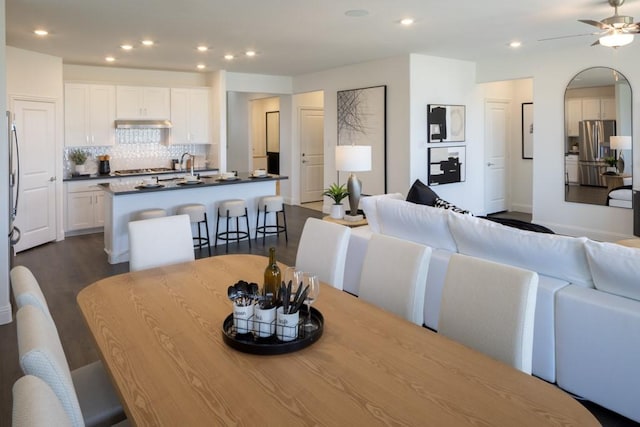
x=593 y=145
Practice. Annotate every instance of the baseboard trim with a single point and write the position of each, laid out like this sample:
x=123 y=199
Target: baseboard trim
x=6 y=314
x=522 y=208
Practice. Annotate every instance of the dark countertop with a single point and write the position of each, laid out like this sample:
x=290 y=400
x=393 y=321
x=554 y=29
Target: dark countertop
x=112 y=175
x=178 y=184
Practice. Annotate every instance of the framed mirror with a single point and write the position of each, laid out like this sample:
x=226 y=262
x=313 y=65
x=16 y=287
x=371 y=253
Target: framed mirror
x=598 y=138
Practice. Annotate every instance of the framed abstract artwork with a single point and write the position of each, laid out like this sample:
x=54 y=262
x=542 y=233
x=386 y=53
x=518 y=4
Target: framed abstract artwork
x=447 y=164
x=362 y=120
x=527 y=130
x=445 y=123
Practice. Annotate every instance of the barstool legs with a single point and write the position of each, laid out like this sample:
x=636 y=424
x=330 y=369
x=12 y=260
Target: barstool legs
x=236 y=234
x=277 y=229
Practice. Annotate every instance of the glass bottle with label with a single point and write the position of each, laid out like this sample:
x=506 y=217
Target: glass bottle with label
x=272 y=276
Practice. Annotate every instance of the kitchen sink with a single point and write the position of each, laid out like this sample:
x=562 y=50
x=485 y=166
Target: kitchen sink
x=141 y=171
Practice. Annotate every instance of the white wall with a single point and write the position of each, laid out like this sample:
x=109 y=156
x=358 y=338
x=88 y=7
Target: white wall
x=241 y=82
x=238 y=137
x=133 y=76
x=5 y=305
x=551 y=72
x=445 y=81
x=392 y=72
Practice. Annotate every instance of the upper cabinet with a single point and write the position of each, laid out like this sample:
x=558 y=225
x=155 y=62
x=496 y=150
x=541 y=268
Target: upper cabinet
x=190 y=116
x=89 y=112
x=142 y=102
x=592 y=108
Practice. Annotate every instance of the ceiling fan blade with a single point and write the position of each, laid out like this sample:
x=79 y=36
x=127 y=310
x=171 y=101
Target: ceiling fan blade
x=566 y=37
x=595 y=43
x=595 y=23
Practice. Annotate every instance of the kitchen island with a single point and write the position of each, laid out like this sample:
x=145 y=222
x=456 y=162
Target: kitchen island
x=124 y=200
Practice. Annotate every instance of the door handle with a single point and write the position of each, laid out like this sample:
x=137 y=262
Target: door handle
x=490 y=164
x=53 y=178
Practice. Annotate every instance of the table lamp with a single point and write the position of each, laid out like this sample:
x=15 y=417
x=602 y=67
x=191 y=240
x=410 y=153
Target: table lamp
x=353 y=158
x=620 y=143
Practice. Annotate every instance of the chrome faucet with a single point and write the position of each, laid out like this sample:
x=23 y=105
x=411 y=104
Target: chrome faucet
x=182 y=160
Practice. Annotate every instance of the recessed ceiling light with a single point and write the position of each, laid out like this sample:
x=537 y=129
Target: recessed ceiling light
x=203 y=48
x=41 y=32
x=228 y=57
x=407 y=21
x=126 y=47
x=109 y=59
x=250 y=53
x=515 y=44
x=147 y=42
x=356 y=13
x=201 y=66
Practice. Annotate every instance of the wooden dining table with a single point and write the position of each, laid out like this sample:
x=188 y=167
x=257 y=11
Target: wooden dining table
x=159 y=334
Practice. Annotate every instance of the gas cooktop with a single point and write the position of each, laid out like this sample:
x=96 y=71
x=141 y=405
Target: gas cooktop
x=141 y=171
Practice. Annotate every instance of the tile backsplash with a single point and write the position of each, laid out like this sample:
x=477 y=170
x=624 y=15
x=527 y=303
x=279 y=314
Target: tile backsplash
x=137 y=149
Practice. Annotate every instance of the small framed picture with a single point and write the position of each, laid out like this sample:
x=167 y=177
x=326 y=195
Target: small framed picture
x=447 y=164
x=445 y=123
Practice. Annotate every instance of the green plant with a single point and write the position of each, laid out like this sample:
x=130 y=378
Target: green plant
x=611 y=161
x=78 y=156
x=336 y=193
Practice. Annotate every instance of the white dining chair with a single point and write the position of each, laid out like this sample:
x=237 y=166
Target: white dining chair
x=36 y=405
x=86 y=393
x=490 y=307
x=160 y=241
x=322 y=250
x=27 y=291
x=394 y=276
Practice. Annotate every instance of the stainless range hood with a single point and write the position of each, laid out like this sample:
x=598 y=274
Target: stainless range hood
x=143 y=124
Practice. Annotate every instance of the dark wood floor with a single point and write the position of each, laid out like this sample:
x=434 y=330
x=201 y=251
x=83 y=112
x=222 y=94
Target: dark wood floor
x=64 y=268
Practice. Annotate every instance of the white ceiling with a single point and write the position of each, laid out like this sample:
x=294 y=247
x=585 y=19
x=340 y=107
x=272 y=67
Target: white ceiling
x=294 y=37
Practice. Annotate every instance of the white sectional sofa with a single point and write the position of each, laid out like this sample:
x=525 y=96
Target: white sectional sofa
x=587 y=322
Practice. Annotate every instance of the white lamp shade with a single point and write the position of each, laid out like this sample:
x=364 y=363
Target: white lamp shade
x=353 y=158
x=616 y=39
x=620 y=142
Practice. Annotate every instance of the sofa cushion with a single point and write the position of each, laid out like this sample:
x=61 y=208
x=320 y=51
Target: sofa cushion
x=443 y=204
x=417 y=223
x=369 y=207
x=556 y=256
x=421 y=194
x=615 y=268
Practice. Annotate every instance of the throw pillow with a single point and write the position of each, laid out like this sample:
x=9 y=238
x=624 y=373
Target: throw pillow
x=443 y=204
x=421 y=194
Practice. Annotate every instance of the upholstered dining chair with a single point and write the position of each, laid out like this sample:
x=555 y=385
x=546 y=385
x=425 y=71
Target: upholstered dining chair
x=160 y=241
x=490 y=307
x=27 y=291
x=394 y=276
x=323 y=249
x=36 y=405
x=86 y=394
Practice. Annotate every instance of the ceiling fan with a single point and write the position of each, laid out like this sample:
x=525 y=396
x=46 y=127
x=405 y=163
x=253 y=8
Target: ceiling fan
x=617 y=30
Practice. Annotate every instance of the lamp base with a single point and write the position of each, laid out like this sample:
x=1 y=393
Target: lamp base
x=620 y=164
x=354 y=187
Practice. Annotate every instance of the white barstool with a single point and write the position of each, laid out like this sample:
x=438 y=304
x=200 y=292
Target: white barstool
x=267 y=205
x=149 y=213
x=197 y=215
x=235 y=208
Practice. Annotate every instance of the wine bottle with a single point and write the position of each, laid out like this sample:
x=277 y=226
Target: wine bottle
x=272 y=277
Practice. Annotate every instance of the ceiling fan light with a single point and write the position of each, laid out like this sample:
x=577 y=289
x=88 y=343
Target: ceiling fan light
x=616 y=39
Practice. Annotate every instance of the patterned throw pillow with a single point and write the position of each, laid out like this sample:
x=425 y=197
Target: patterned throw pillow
x=440 y=203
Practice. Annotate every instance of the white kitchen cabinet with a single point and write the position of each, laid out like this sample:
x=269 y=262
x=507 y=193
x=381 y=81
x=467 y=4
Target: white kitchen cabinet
x=85 y=205
x=142 y=102
x=594 y=108
x=190 y=116
x=571 y=168
x=574 y=115
x=89 y=113
x=608 y=108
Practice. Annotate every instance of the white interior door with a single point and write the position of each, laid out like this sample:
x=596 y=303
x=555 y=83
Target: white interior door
x=36 y=218
x=497 y=125
x=311 y=154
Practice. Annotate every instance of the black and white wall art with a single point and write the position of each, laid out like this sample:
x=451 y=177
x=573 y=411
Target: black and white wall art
x=447 y=164
x=527 y=130
x=362 y=120
x=445 y=123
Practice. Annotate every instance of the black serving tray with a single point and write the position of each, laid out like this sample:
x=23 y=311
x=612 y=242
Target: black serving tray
x=248 y=343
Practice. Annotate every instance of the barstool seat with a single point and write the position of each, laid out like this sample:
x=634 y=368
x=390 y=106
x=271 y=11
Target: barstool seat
x=235 y=208
x=150 y=213
x=197 y=215
x=267 y=205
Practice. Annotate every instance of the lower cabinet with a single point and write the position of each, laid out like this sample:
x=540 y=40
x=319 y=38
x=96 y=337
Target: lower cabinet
x=84 y=206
